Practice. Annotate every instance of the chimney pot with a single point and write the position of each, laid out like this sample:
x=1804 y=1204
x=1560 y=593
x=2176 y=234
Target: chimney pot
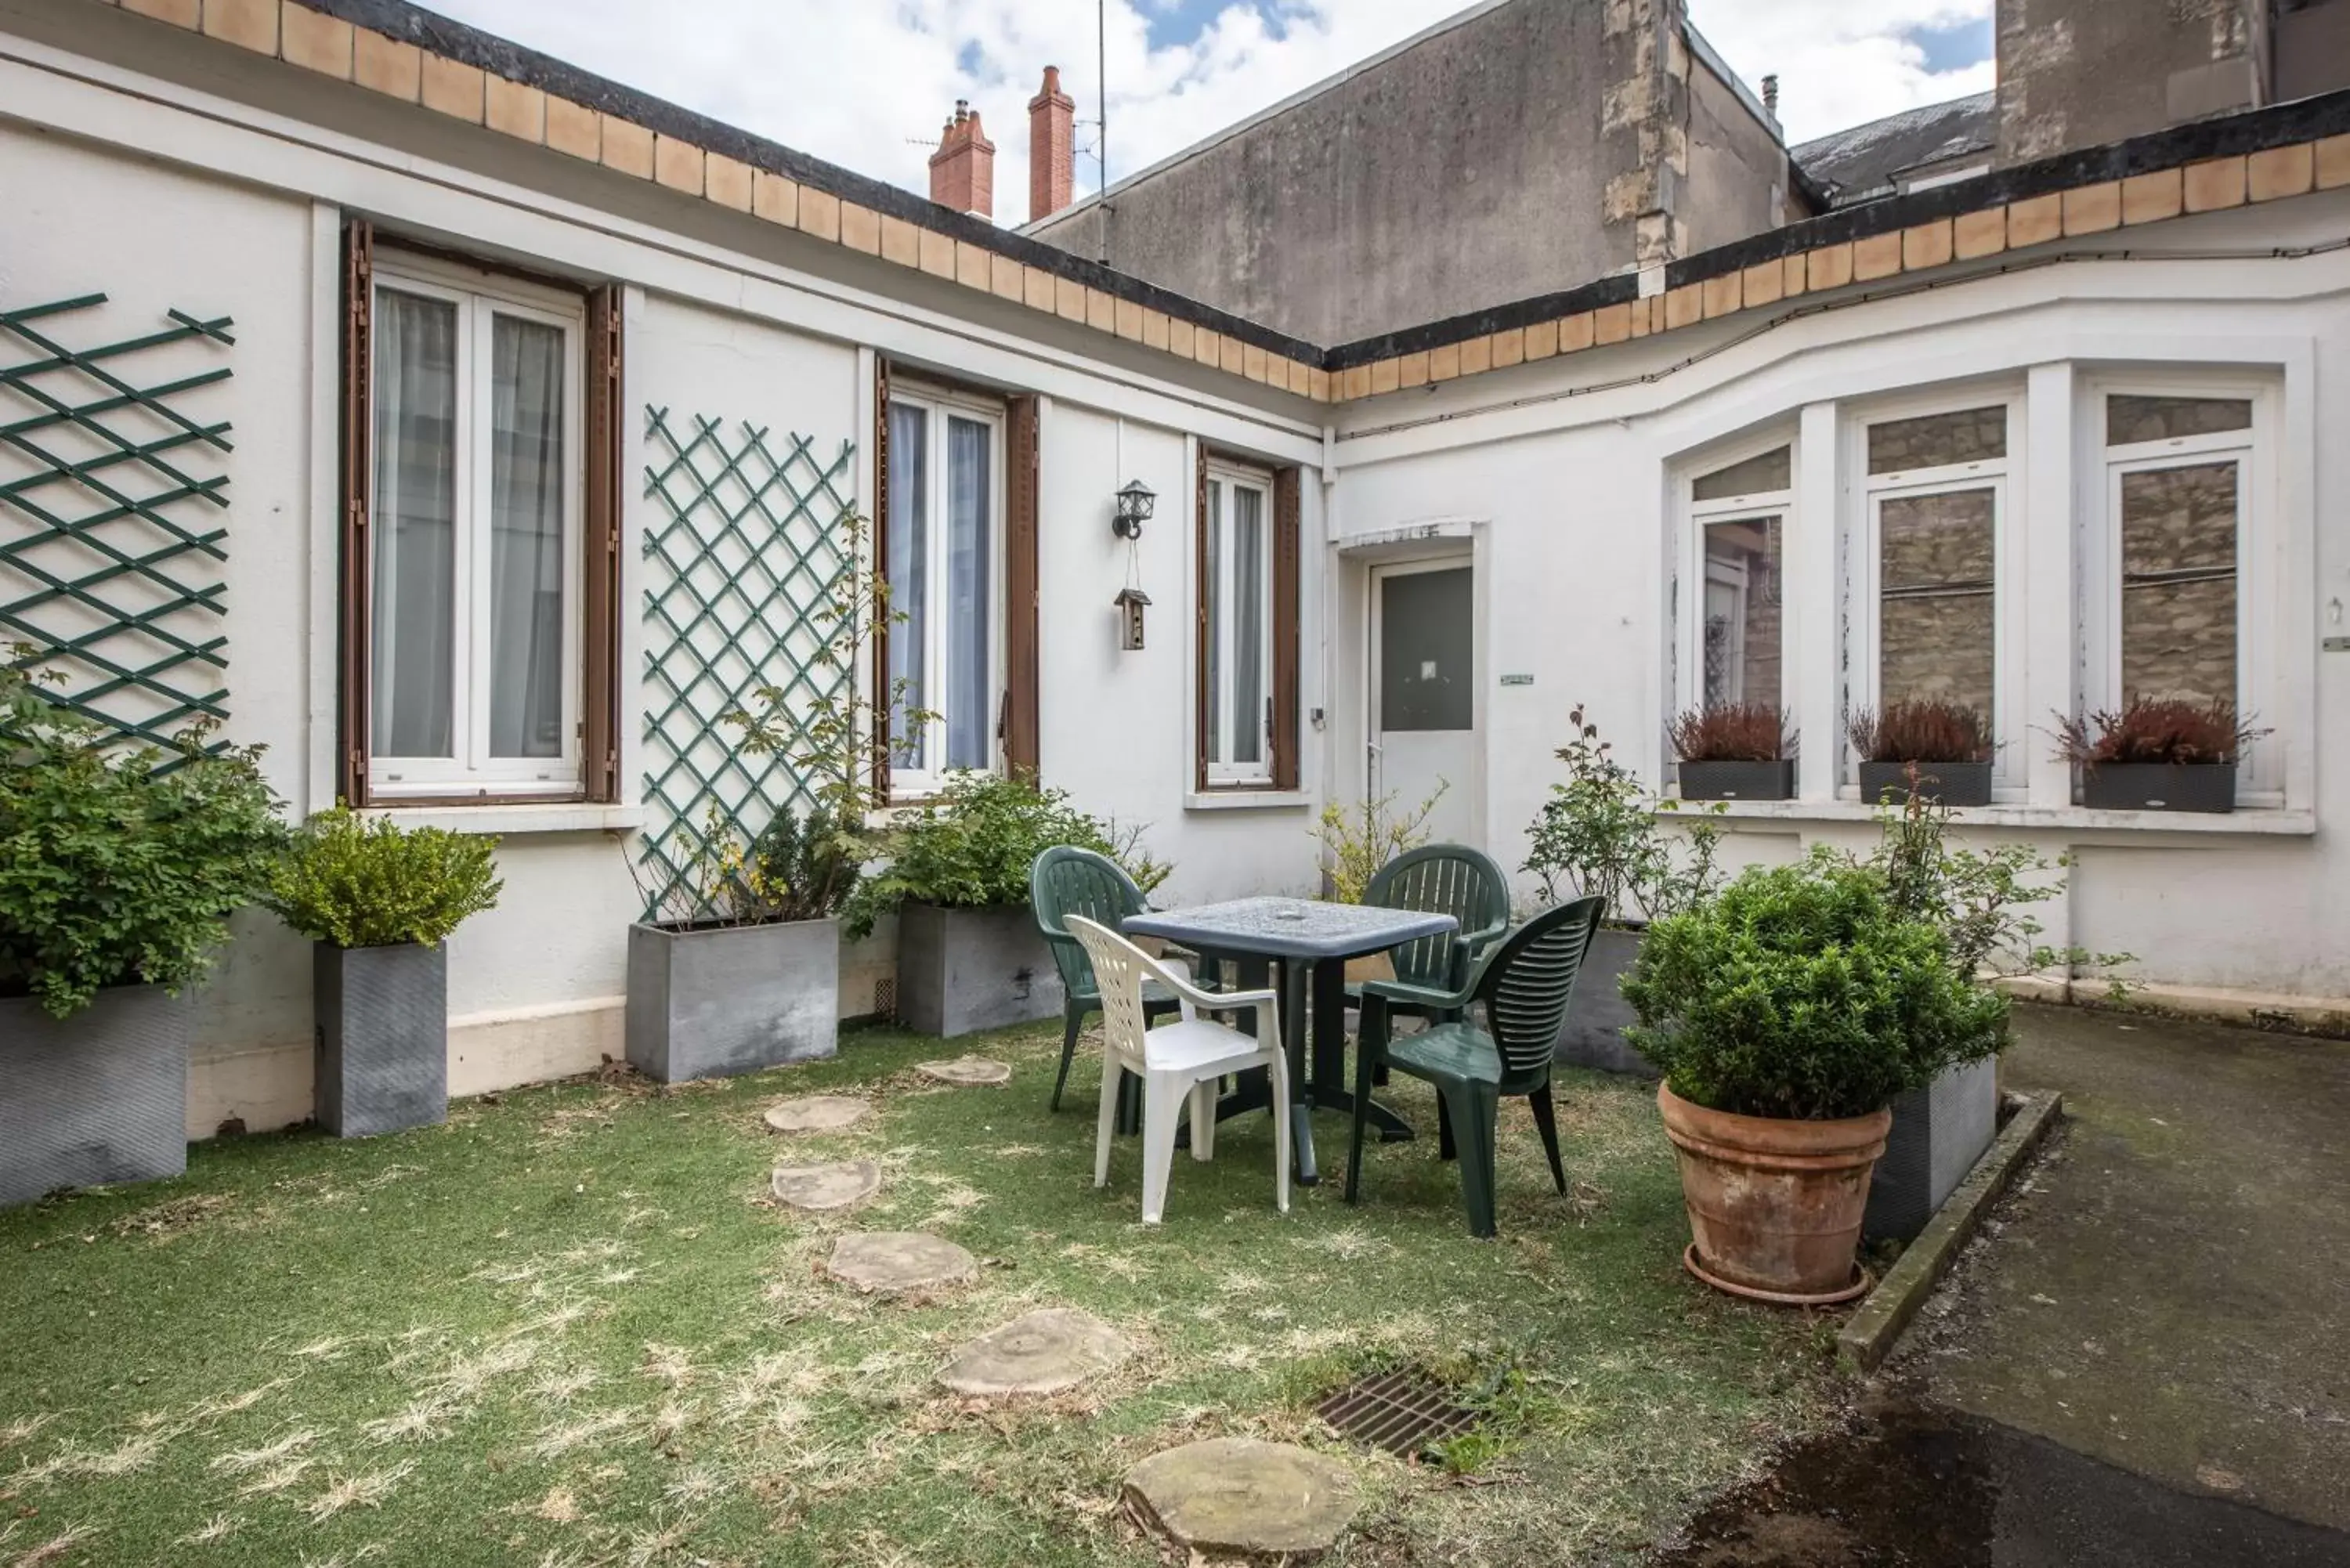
x=1771 y=95
x=1052 y=147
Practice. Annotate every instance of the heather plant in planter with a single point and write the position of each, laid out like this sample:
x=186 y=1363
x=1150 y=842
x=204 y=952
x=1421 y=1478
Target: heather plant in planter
x=378 y=901
x=2159 y=753
x=1929 y=746
x=1734 y=750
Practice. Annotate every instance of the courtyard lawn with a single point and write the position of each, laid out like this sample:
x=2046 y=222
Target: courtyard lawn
x=572 y=1327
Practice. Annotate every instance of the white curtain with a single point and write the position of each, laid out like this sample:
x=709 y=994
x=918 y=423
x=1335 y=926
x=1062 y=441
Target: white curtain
x=1248 y=625
x=969 y=498
x=908 y=541
x=414 y=516
x=526 y=563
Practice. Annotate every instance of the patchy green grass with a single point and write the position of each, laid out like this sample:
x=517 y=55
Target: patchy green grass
x=569 y=1327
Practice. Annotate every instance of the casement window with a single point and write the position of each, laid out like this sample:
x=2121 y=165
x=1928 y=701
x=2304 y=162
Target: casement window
x=2178 y=482
x=479 y=625
x=1245 y=630
x=1734 y=648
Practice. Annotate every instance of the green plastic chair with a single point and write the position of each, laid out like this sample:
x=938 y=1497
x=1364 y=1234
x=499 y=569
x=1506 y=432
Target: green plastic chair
x=1065 y=881
x=1522 y=985
x=1443 y=879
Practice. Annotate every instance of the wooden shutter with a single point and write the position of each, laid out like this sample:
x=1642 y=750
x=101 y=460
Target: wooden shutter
x=1022 y=657
x=357 y=467
x=877 y=532
x=1201 y=588
x=1286 y=575
x=599 y=720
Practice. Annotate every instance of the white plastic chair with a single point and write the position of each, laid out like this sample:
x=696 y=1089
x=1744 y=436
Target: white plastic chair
x=1182 y=1057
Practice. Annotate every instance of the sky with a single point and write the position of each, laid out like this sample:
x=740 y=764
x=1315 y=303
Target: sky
x=868 y=83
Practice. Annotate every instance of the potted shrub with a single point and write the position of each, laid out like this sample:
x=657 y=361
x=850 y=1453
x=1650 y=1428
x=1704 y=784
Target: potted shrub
x=119 y=868
x=1927 y=746
x=2157 y=753
x=969 y=955
x=1598 y=834
x=377 y=902
x=1734 y=750
x=1788 y=1012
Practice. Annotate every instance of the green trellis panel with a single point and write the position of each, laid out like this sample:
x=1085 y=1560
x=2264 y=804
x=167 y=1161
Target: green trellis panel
x=106 y=568
x=745 y=563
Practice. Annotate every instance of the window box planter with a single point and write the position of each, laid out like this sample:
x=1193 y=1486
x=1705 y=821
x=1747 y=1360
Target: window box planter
x=1939 y=1132
x=2160 y=787
x=962 y=971
x=1949 y=784
x=94 y=1099
x=1739 y=780
x=727 y=1000
x=382 y=1037
x=1593 y=1034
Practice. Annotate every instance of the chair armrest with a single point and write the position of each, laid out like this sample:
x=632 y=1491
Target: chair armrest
x=1399 y=990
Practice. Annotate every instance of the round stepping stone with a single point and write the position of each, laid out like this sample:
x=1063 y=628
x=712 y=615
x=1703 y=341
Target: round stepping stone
x=1042 y=1353
x=1240 y=1496
x=891 y=1261
x=820 y=1187
x=814 y=1112
x=966 y=1071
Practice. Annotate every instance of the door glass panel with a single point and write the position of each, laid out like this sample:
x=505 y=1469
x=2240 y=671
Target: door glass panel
x=1936 y=441
x=1426 y=673
x=413 y=653
x=970 y=666
x=2178 y=582
x=1772 y=471
x=1935 y=611
x=2130 y=419
x=909 y=542
x=526 y=568
x=1212 y=574
x=1741 y=611
x=1248 y=625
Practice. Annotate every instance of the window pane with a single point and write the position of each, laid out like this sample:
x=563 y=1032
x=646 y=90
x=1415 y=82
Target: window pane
x=909 y=544
x=1427 y=650
x=413 y=656
x=2178 y=582
x=1741 y=611
x=527 y=569
x=970 y=718
x=1934 y=623
x=1971 y=435
x=1211 y=573
x=1248 y=625
x=1757 y=476
x=2130 y=420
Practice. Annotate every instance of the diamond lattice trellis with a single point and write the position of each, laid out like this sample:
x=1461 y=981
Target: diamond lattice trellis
x=106 y=568
x=745 y=564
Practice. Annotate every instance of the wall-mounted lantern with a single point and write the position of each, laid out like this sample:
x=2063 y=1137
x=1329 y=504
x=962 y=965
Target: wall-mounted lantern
x=1135 y=503
x=1130 y=603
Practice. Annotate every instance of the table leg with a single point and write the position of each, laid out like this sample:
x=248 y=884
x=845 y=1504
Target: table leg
x=1296 y=979
x=1332 y=1089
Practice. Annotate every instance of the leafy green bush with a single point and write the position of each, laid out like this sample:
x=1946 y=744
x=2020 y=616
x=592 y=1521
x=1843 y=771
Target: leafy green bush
x=362 y=883
x=1598 y=834
x=804 y=869
x=1358 y=840
x=1799 y=993
x=112 y=873
x=797 y=869
x=972 y=846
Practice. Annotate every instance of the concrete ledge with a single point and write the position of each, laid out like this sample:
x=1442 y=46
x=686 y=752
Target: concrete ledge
x=1869 y=1337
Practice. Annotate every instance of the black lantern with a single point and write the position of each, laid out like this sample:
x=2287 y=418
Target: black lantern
x=1135 y=503
x=1130 y=602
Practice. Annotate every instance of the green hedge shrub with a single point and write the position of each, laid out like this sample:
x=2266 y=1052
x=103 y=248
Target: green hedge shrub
x=368 y=883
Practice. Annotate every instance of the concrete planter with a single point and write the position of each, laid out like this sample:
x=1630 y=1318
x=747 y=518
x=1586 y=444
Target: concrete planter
x=1593 y=1034
x=1951 y=784
x=382 y=1016
x=2160 y=787
x=962 y=971
x=1939 y=1133
x=94 y=1099
x=729 y=999
x=1739 y=780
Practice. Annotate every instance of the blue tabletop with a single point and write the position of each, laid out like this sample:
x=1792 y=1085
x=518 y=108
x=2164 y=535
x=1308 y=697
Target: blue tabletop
x=1290 y=928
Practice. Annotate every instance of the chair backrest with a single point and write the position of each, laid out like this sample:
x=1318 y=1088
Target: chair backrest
x=1066 y=881
x=1120 y=967
x=1440 y=879
x=1526 y=983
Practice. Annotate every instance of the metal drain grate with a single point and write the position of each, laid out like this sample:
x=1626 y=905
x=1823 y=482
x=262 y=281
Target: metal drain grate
x=1402 y=1412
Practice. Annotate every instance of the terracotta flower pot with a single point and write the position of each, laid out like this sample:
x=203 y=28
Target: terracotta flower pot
x=1774 y=1206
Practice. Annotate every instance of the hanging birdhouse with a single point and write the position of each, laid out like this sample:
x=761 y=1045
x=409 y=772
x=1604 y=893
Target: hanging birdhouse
x=1130 y=603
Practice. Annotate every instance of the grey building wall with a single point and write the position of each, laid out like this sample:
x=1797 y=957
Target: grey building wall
x=1737 y=168
x=2078 y=73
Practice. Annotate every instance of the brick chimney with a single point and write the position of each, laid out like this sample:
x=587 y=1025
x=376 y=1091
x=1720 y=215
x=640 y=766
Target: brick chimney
x=962 y=171
x=1052 y=147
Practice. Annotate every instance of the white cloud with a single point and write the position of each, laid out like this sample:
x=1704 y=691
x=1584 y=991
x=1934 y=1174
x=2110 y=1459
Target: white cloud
x=860 y=82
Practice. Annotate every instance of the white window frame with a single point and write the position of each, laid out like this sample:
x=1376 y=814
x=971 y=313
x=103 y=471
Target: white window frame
x=1225 y=479
x=1864 y=561
x=1697 y=570
x=907 y=783
x=479 y=297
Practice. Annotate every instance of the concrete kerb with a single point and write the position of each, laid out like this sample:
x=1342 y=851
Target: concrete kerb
x=1870 y=1334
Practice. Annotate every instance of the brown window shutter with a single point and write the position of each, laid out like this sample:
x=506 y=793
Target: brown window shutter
x=358 y=468
x=1022 y=657
x=878 y=529
x=1200 y=620
x=599 y=721
x=1287 y=550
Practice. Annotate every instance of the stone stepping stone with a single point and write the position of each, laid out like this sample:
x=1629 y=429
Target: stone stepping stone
x=814 y=1114
x=821 y=1187
x=966 y=1071
x=1041 y=1352
x=892 y=1261
x=1238 y=1496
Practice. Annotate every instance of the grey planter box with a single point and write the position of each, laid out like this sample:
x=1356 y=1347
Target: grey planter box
x=1739 y=780
x=962 y=971
x=383 y=1037
x=94 y=1099
x=1939 y=1133
x=1593 y=1034
x=731 y=999
x=2160 y=787
x=1951 y=783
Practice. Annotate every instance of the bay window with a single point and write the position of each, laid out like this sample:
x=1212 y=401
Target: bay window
x=1738 y=516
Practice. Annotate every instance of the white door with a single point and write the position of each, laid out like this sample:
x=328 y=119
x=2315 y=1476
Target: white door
x=1424 y=693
